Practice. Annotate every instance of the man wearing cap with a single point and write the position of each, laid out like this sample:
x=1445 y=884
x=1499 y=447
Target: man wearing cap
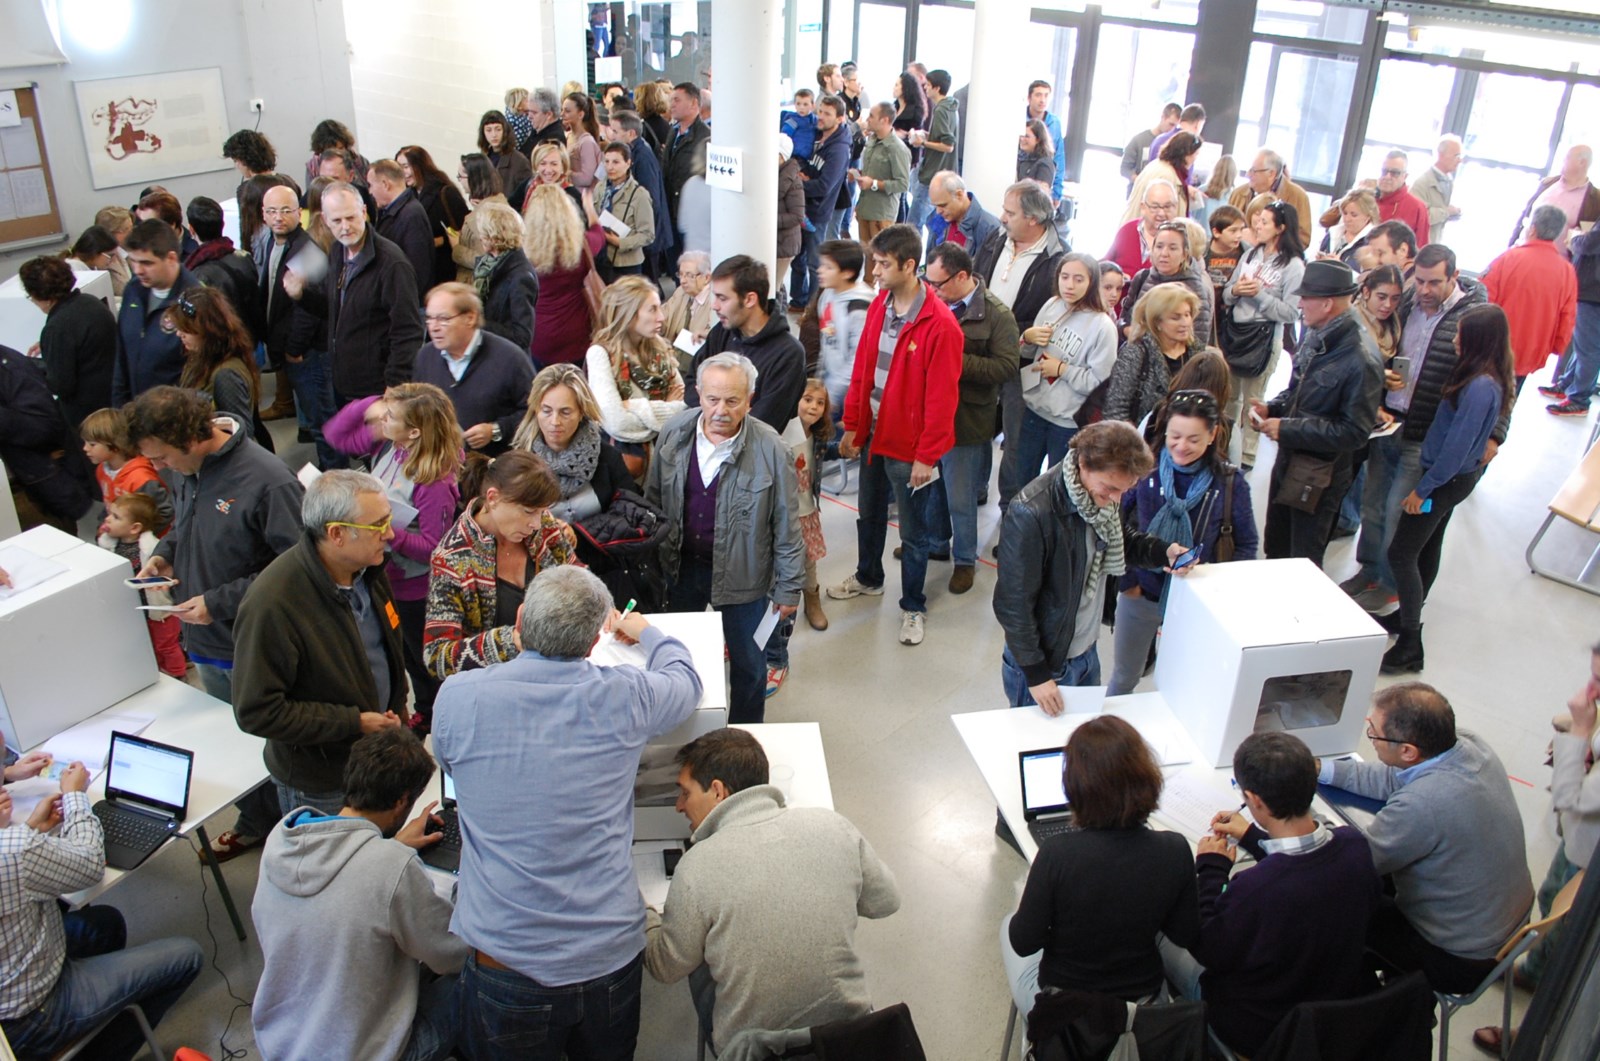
x=1322 y=418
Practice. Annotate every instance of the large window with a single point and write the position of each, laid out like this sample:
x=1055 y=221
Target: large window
x=1296 y=103
x=1310 y=19
x=882 y=45
x=1506 y=154
x=944 y=41
x=1136 y=71
x=841 y=30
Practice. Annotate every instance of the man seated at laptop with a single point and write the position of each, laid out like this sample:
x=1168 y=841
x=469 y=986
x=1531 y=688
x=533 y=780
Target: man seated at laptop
x=1449 y=835
x=1252 y=964
x=761 y=915
x=62 y=973
x=318 y=659
x=344 y=899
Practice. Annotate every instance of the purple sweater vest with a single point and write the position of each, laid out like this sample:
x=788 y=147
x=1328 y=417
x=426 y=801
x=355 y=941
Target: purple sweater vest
x=699 y=512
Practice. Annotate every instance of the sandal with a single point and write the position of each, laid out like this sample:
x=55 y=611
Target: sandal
x=1488 y=1039
x=230 y=845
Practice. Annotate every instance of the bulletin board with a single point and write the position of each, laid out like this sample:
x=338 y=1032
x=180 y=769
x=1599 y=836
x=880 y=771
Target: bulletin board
x=29 y=212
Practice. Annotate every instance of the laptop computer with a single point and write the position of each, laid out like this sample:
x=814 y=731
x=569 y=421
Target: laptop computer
x=446 y=854
x=147 y=797
x=1044 y=792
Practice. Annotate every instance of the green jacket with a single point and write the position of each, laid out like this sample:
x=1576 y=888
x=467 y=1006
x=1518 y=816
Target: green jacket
x=989 y=357
x=889 y=161
x=945 y=128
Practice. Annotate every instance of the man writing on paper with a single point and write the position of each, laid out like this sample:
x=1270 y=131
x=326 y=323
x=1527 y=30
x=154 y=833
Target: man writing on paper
x=763 y=946
x=726 y=482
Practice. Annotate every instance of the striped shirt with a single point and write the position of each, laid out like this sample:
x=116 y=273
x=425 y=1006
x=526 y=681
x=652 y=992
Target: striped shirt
x=889 y=338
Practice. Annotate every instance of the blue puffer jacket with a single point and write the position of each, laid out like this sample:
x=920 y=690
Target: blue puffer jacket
x=1140 y=505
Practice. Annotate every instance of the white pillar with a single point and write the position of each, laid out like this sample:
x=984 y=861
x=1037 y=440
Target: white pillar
x=744 y=115
x=996 y=100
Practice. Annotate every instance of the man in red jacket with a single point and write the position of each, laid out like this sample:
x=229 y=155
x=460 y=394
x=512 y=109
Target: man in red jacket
x=899 y=414
x=1538 y=288
x=1395 y=200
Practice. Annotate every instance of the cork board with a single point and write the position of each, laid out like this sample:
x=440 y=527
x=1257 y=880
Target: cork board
x=29 y=212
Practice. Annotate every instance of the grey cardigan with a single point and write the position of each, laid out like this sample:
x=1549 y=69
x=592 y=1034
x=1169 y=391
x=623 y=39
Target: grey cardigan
x=757 y=551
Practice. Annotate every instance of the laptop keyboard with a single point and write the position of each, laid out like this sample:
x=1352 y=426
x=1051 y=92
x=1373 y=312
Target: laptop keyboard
x=132 y=830
x=452 y=830
x=1044 y=830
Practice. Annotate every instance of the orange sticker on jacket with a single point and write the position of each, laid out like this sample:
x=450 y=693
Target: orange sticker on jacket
x=394 y=616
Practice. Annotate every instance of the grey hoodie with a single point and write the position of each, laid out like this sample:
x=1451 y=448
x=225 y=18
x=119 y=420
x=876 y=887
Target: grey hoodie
x=343 y=917
x=232 y=519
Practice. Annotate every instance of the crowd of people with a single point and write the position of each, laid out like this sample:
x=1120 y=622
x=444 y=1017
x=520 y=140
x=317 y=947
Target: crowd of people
x=504 y=374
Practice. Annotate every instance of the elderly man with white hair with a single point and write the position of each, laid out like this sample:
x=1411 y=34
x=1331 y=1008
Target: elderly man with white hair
x=369 y=299
x=318 y=656
x=1571 y=190
x=1437 y=185
x=690 y=309
x=1269 y=175
x=727 y=485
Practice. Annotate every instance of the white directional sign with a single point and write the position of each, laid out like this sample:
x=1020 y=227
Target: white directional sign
x=725 y=168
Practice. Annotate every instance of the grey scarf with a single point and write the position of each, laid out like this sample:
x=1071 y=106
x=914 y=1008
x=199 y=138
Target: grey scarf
x=1105 y=522
x=575 y=465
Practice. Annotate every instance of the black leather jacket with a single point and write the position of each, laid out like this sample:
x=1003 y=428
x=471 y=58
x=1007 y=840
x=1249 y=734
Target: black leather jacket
x=1331 y=403
x=1044 y=557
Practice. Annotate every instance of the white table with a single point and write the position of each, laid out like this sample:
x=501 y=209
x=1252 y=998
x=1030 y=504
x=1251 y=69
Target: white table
x=701 y=634
x=227 y=764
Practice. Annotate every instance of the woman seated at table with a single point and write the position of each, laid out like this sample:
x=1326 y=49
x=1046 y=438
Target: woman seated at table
x=632 y=370
x=562 y=428
x=1186 y=499
x=504 y=538
x=1097 y=897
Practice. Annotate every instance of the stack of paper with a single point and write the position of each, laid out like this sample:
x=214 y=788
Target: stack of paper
x=89 y=742
x=26 y=569
x=1190 y=803
x=610 y=652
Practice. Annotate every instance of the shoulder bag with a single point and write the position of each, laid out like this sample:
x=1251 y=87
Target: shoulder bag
x=1247 y=345
x=1224 y=548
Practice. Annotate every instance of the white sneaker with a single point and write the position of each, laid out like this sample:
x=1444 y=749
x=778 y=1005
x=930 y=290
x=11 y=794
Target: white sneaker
x=911 y=628
x=853 y=587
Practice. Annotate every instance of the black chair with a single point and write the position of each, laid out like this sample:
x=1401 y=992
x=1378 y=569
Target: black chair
x=1394 y=1023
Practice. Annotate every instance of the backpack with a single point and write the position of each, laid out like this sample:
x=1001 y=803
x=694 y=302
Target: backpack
x=622 y=545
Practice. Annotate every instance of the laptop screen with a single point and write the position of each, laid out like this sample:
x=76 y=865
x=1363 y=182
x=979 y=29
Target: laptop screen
x=149 y=772
x=449 y=788
x=1043 y=786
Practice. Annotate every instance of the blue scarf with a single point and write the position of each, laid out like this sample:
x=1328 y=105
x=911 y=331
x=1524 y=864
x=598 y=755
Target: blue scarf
x=1173 y=521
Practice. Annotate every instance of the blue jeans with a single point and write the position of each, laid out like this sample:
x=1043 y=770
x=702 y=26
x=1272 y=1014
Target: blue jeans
x=1393 y=468
x=955 y=503
x=921 y=205
x=312 y=380
x=1080 y=670
x=1350 y=507
x=216 y=681
x=1040 y=441
x=835 y=223
x=747 y=672
x=1561 y=871
x=504 y=1014
x=329 y=803
x=437 y=1023
x=803 y=272
x=93 y=987
x=879 y=477
x=1578 y=372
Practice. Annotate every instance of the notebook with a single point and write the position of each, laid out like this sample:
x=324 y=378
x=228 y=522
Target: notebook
x=1044 y=792
x=446 y=854
x=147 y=797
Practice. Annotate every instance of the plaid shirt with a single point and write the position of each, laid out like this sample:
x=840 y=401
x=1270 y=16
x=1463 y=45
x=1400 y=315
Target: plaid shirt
x=1298 y=845
x=35 y=869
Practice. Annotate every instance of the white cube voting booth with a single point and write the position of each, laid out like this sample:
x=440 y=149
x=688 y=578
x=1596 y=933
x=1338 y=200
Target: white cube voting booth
x=21 y=321
x=71 y=645
x=1267 y=645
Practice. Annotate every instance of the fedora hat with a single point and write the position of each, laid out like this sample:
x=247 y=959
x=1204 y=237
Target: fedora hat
x=1327 y=279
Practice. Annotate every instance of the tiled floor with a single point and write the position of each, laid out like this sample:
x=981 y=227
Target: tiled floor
x=1508 y=648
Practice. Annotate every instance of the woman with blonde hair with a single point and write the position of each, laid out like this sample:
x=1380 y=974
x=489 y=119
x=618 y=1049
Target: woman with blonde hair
x=1224 y=175
x=562 y=254
x=632 y=369
x=652 y=98
x=1358 y=215
x=552 y=164
x=317 y=228
x=521 y=125
x=501 y=275
x=410 y=435
x=1161 y=340
x=562 y=426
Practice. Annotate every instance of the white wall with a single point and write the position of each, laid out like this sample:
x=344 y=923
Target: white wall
x=291 y=53
x=424 y=71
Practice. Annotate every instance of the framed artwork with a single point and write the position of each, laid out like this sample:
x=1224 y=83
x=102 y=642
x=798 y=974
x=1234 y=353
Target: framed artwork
x=146 y=129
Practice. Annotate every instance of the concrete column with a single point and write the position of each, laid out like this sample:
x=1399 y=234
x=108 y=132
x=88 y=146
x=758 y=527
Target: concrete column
x=997 y=100
x=744 y=114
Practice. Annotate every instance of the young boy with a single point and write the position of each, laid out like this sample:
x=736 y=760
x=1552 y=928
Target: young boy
x=128 y=532
x=841 y=313
x=1227 y=235
x=800 y=124
x=118 y=467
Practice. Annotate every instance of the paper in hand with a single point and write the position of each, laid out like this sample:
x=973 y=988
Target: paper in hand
x=685 y=342
x=931 y=480
x=769 y=623
x=614 y=223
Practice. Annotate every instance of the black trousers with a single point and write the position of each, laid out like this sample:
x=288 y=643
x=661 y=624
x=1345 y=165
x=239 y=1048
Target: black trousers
x=424 y=686
x=1291 y=532
x=1401 y=947
x=1418 y=543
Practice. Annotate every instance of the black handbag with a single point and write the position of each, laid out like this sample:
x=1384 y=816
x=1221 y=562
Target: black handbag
x=1247 y=345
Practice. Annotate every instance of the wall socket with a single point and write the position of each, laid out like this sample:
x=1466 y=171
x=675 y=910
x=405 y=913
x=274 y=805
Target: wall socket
x=256 y=105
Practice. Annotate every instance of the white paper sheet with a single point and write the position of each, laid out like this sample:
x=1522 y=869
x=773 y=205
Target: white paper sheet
x=29 y=195
x=308 y=474
x=610 y=652
x=685 y=342
x=26 y=569
x=89 y=742
x=769 y=623
x=404 y=515
x=931 y=480
x=614 y=223
x=21 y=146
x=1190 y=804
x=10 y=113
x=651 y=869
x=1386 y=429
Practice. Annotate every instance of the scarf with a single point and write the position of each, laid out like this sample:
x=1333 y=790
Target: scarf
x=575 y=465
x=1174 y=521
x=1105 y=522
x=209 y=251
x=482 y=270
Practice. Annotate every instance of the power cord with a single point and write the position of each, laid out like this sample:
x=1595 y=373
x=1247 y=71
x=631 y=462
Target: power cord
x=224 y=1053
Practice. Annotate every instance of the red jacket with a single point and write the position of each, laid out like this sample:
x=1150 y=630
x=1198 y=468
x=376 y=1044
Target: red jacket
x=917 y=417
x=1403 y=206
x=1538 y=289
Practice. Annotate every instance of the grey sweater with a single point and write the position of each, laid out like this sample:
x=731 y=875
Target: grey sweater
x=334 y=897
x=1452 y=839
x=768 y=898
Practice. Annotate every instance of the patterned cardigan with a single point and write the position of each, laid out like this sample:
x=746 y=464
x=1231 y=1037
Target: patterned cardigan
x=461 y=593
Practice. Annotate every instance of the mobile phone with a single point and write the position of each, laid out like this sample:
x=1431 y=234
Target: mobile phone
x=1401 y=366
x=669 y=860
x=1187 y=558
x=1427 y=504
x=153 y=582
x=1255 y=420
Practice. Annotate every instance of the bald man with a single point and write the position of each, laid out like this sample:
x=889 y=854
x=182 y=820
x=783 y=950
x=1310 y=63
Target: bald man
x=1570 y=190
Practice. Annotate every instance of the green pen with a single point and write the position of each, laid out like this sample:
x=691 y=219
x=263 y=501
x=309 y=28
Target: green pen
x=629 y=608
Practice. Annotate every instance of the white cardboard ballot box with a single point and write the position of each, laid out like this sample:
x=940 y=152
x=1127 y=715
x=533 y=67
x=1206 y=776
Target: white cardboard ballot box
x=21 y=321
x=71 y=646
x=1267 y=645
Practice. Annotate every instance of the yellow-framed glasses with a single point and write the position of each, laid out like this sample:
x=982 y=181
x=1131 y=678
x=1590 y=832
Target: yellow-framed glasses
x=376 y=528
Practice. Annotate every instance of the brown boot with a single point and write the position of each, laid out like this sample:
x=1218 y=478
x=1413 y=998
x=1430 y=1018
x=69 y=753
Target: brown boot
x=282 y=407
x=814 y=613
x=961 y=578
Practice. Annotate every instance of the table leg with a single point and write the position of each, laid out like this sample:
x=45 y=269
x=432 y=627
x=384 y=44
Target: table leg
x=222 y=884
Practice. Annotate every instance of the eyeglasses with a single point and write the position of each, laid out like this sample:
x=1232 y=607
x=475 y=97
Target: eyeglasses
x=280 y=211
x=1372 y=736
x=1197 y=401
x=376 y=528
x=931 y=282
x=1261 y=169
x=1387 y=172
x=443 y=318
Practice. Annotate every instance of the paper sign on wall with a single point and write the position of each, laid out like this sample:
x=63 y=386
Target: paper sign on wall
x=725 y=168
x=9 y=114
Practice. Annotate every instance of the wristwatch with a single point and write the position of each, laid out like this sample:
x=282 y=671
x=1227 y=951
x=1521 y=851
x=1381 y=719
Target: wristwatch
x=874 y=184
x=494 y=433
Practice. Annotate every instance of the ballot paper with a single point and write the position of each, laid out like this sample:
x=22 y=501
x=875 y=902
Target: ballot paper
x=614 y=223
x=89 y=742
x=933 y=478
x=309 y=263
x=649 y=866
x=610 y=651
x=1190 y=803
x=685 y=342
x=308 y=474
x=769 y=623
x=1384 y=430
x=26 y=569
x=403 y=513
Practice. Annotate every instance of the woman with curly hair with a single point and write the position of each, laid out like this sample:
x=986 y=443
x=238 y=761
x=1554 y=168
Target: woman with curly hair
x=334 y=135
